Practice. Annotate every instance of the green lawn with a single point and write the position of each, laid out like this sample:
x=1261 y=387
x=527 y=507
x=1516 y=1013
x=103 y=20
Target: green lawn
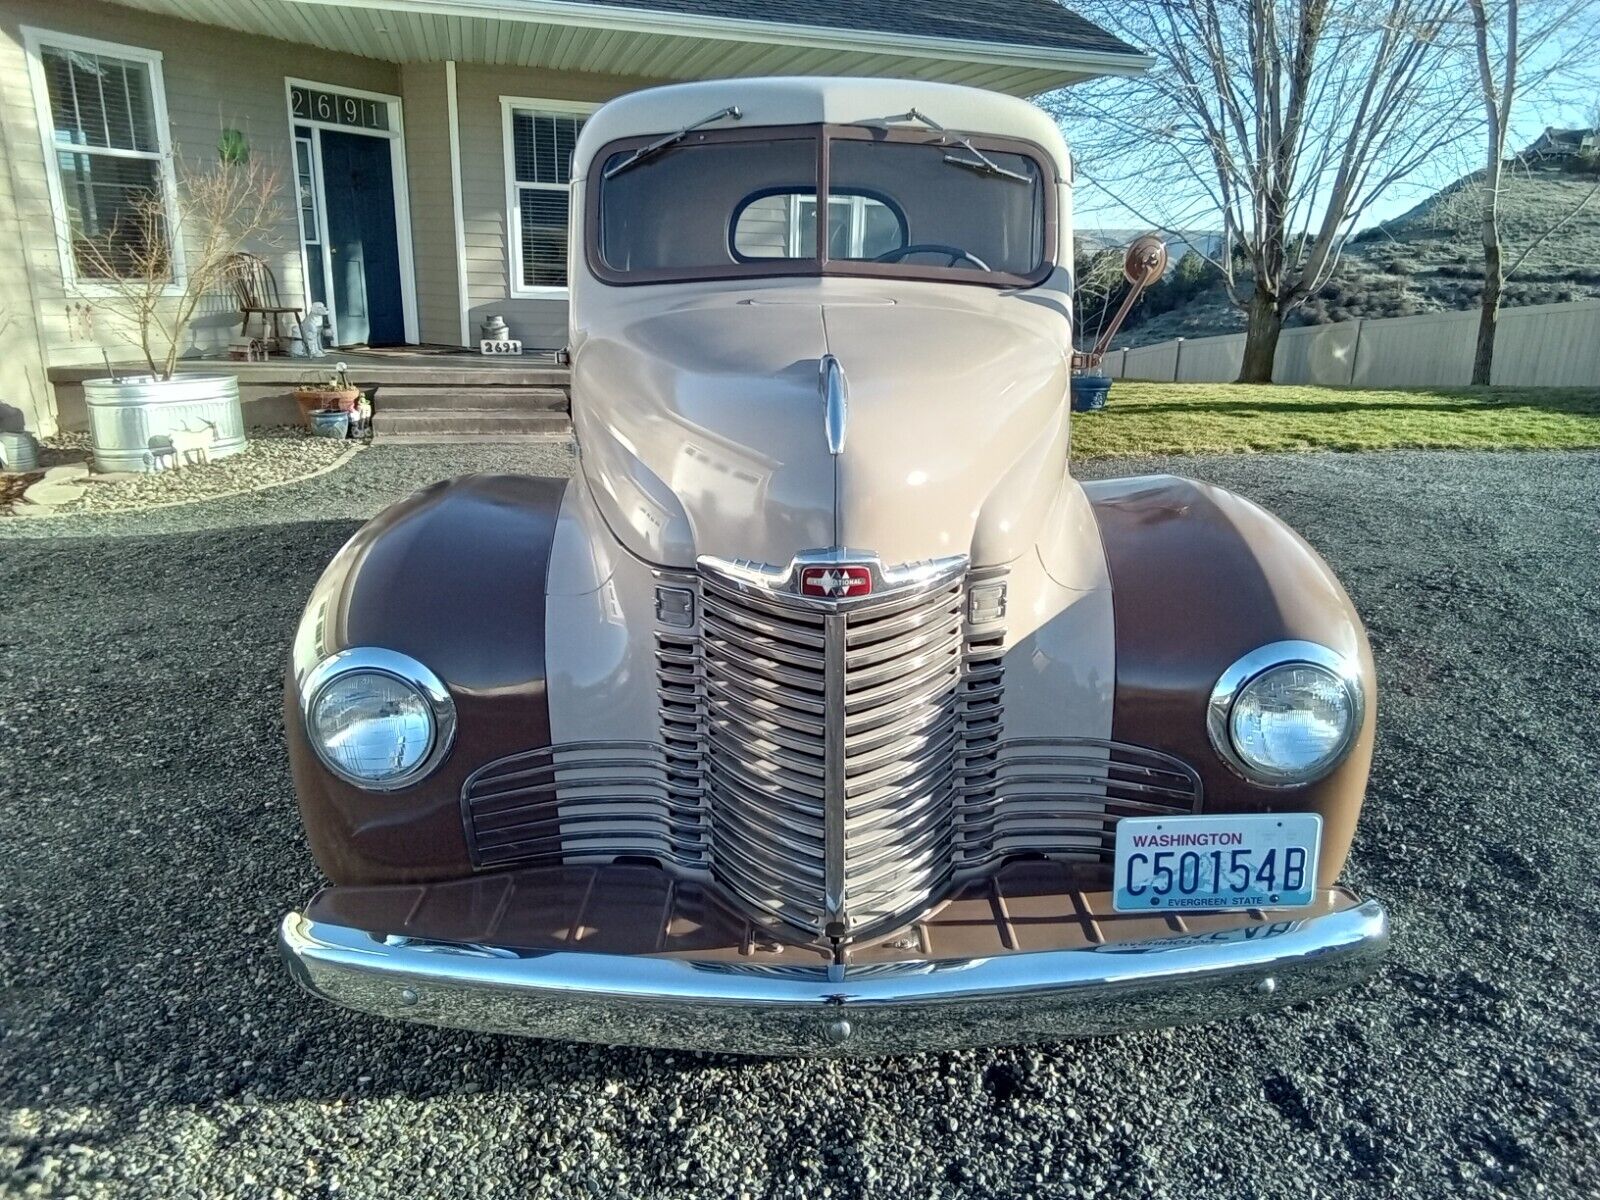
x=1197 y=418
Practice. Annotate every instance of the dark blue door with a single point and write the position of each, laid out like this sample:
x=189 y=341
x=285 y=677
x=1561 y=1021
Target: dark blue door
x=358 y=182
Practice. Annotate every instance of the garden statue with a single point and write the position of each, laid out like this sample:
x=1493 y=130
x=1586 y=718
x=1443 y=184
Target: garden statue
x=308 y=334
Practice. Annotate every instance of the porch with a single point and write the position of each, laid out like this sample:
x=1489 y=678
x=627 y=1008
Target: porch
x=424 y=394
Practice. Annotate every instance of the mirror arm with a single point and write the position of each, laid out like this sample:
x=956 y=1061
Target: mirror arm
x=1143 y=267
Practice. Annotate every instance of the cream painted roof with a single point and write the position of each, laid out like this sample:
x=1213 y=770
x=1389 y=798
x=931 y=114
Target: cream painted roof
x=816 y=100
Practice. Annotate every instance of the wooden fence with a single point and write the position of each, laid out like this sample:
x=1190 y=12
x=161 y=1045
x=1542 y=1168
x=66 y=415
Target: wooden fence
x=1541 y=345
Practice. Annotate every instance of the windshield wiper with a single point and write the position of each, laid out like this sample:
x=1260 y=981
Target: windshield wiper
x=979 y=161
x=672 y=139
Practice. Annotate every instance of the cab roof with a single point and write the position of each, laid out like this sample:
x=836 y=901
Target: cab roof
x=817 y=100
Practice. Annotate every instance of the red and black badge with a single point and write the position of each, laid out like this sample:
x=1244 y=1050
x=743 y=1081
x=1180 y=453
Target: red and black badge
x=835 y=582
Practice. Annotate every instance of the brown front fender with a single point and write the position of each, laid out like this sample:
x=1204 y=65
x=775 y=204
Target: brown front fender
x=1199 y=578
x=454 y=577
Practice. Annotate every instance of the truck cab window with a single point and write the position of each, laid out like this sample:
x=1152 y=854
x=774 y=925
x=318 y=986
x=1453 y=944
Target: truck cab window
x=784 y=225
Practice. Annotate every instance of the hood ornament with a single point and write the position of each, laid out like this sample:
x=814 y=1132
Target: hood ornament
x=835 y=401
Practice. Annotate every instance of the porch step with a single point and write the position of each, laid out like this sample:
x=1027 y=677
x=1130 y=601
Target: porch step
x=460 y=424
x=405 y=398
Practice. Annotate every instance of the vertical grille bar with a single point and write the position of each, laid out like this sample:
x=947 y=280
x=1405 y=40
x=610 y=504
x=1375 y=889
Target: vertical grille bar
x=834 y=828
x=831 y=753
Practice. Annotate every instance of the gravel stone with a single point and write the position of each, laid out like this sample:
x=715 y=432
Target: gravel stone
x=151 y=1043
x=270 y=457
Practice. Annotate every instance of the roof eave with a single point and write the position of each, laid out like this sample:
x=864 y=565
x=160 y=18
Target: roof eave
x=1072 y=63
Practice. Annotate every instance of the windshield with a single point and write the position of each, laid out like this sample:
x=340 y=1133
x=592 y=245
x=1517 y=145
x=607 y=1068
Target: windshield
x=909 y=204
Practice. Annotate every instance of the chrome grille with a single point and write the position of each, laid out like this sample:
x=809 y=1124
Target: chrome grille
x=902 y=670
x=1062 y=797
x=859 y=705
x=588 y=801
x=764 y=667
x=836 y=767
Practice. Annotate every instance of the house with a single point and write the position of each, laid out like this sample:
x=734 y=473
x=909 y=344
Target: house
x=424 y=145
x=1564 y=143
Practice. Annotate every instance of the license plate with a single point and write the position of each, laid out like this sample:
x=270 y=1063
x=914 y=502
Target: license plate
x=1254 y=860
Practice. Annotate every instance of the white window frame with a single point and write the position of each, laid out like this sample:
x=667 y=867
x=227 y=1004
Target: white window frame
x=513 y=211
x=33 y=40
x=857 y=233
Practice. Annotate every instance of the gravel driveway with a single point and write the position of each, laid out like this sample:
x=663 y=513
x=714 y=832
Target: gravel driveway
x=152 y=1045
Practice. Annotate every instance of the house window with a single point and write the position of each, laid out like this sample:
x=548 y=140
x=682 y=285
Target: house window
x=539 y=144
x=102 y=116
x=784 y=225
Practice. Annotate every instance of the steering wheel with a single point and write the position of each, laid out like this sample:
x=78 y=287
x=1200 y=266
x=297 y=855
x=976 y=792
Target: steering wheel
x=956 y=253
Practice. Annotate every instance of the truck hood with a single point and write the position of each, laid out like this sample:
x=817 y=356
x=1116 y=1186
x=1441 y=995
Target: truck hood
x=701 y=426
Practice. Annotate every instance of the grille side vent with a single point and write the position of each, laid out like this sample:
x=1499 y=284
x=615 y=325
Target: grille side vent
x=588 y=802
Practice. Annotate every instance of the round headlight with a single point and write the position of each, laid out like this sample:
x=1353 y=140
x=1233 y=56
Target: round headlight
x=377 y=719
x=1287 y=713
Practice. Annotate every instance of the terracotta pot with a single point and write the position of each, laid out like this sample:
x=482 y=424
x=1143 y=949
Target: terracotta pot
x=313 y=400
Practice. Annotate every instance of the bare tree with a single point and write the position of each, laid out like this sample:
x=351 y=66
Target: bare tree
x=1502 y=49
x=1286 y=117
x=219 y=210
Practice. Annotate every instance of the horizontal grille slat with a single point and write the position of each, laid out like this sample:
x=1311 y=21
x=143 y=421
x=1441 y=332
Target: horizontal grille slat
x=1062 y=796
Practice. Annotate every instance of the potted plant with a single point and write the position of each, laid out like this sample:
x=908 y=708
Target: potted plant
x=1090 y=386
x=136 y=273
x=330 y=391
x=331 y=422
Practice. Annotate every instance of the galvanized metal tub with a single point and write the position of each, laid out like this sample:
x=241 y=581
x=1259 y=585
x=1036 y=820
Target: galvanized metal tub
x=141 y=423
x=18 y=452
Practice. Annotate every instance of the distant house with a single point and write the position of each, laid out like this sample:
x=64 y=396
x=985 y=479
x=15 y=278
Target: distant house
x=1564 y=143
x=425 y=144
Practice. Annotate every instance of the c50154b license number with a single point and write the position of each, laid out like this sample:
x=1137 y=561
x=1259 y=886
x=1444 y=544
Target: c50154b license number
x=1253 y=860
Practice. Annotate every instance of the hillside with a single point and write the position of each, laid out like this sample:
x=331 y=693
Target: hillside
x=1428 y=260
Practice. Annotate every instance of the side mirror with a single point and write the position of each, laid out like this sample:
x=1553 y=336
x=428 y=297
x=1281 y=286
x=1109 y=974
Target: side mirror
x=1144 y=265
x=1146 y=262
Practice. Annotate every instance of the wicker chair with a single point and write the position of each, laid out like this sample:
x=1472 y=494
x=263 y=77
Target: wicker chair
x=256 y=289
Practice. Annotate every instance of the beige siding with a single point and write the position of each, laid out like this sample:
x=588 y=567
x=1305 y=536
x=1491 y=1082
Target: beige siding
x=214 y=79
x=425 y=92
x=25 y=400
x=539 y=322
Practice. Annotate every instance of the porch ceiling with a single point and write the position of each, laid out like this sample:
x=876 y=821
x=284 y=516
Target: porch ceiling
x=638 y=43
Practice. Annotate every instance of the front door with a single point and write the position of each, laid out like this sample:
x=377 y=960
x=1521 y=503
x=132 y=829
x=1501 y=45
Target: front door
x=363 y=244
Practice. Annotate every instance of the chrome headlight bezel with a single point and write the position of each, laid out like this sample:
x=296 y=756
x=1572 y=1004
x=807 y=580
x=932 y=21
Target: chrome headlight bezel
x=1232 y=683
x=375 y=660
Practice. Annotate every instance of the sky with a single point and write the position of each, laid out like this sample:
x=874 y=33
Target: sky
x=1573 y=108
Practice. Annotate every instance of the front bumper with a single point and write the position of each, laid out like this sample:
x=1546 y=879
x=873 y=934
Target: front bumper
x=874 y=1008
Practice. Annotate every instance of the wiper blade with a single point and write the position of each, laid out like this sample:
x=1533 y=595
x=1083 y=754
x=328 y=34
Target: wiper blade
x=732 y=112
x=979 y=161
x=984 y=166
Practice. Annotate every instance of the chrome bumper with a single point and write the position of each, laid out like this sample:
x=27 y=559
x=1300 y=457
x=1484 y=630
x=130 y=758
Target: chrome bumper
x=881 y=1009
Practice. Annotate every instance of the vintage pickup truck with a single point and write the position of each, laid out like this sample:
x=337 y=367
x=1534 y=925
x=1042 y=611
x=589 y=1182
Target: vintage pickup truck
x=821 y=709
